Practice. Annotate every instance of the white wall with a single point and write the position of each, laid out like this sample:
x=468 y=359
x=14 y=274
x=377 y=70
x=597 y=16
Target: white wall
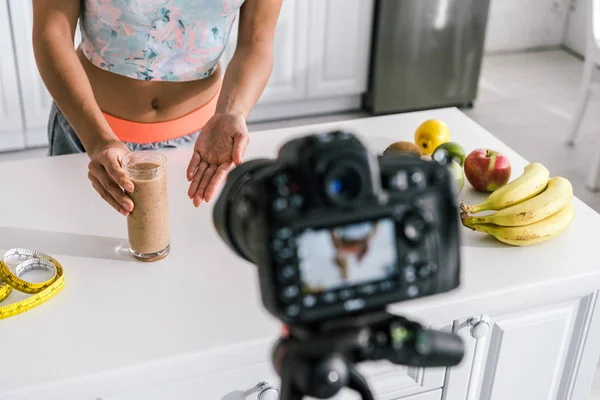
x=515 y=25
x=576 y=29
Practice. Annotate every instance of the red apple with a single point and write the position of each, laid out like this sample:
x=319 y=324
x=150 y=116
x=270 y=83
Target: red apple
x=487 y=170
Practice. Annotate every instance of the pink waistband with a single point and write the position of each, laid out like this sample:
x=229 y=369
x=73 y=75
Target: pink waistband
x=145 y=132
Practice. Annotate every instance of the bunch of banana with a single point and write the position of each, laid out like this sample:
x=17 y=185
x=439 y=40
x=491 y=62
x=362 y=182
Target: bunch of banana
x=531 y=209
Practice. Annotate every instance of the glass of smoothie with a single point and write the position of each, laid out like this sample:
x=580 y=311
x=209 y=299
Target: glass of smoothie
x=148 y=223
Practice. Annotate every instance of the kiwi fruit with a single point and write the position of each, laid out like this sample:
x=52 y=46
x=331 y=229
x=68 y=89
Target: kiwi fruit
x=403 y=148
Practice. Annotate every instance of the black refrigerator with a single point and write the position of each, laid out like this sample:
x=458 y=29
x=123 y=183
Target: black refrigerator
x=426 y=54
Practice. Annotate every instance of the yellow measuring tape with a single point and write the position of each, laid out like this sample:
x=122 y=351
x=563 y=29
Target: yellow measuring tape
x=29 y=260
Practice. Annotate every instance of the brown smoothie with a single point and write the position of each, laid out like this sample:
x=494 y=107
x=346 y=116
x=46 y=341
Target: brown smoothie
x=148 y=223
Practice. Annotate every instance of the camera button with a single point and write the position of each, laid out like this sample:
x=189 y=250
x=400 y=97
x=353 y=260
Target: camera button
x=296 y=201
x=399 y=181
x=354 y=304
x=345 y=294
x=418 y=178
x=281 y=180
x=367 y=289
x=276 y=244
x=412 y=291
x=285 y=253
x=309 y=301
x=329 y=297
x=280 y=204
x=292 y=311
x=290 y=293
x=283 y=233
x=287 y=273
x=412 y=258
x=387 y=285
x=410 y=274
x=414 y=228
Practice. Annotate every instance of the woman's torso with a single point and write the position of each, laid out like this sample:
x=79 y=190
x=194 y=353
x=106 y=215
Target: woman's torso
x=154 y=60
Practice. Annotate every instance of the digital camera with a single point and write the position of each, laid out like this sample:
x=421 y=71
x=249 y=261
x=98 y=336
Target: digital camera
x=336 y=230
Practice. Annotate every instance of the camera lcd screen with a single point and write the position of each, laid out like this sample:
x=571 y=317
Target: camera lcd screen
x=347 y=255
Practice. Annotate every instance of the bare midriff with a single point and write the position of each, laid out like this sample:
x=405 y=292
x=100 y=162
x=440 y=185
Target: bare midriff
x=148 y=101
x=148 y=223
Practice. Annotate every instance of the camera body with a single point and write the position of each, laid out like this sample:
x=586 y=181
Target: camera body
x=337 y=231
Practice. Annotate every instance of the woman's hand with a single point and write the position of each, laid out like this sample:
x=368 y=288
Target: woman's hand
x=219 y=147
x=109 y=178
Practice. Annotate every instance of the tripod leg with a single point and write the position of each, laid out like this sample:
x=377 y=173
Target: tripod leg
x=359 y=384
x=288 y=391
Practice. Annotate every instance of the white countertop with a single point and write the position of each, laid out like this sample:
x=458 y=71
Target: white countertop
x=117 y=313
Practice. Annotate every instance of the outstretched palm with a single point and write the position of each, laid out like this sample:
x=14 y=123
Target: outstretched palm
x=219 y=147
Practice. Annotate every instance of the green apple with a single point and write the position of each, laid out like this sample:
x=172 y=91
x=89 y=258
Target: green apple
x=449 y=151
x=457 y=172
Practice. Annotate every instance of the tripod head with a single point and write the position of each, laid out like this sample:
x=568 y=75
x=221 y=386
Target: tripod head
x=320 y=361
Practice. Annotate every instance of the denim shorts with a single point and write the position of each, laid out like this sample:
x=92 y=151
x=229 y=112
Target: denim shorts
x=63 y=140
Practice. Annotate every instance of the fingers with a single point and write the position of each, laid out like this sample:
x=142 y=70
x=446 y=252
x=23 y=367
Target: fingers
x=193 y=166
x=217 y=180
x=240 y=142
x=210 y=172
x=197 y=179
x=115 y=171
x=110 y=187
x=106 y=196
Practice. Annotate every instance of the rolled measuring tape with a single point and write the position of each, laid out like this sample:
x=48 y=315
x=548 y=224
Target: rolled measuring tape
x=28 y=260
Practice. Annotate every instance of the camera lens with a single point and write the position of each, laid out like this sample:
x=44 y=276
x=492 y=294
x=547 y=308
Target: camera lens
x=343 y=182
x=345 y=186
x=233 y=210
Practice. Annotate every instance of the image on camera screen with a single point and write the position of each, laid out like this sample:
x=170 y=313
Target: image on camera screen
x=347 y=255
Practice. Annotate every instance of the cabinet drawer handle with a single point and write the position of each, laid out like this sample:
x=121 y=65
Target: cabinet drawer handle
x=266 y=391
x=479 y=327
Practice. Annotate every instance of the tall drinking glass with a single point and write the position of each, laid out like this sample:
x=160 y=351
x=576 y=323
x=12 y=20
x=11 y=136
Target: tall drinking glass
x=148 y=223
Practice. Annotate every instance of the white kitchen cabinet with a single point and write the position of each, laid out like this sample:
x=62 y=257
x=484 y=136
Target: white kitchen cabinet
x=35 y=98
x=340 y=42
x=529 y=354
x=321 y=59
x=457 y=386
x=433 y=395
x=11 y=134
x=387 y=381
x=288 y=78
x=321 y=50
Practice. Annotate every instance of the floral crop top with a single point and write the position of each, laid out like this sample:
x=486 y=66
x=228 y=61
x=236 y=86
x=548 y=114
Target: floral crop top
x=159 y=40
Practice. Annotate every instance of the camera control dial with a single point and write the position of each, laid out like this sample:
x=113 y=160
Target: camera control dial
x=415 y=227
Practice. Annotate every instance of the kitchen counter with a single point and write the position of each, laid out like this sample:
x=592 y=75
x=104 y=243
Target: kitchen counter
x=121 y=325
